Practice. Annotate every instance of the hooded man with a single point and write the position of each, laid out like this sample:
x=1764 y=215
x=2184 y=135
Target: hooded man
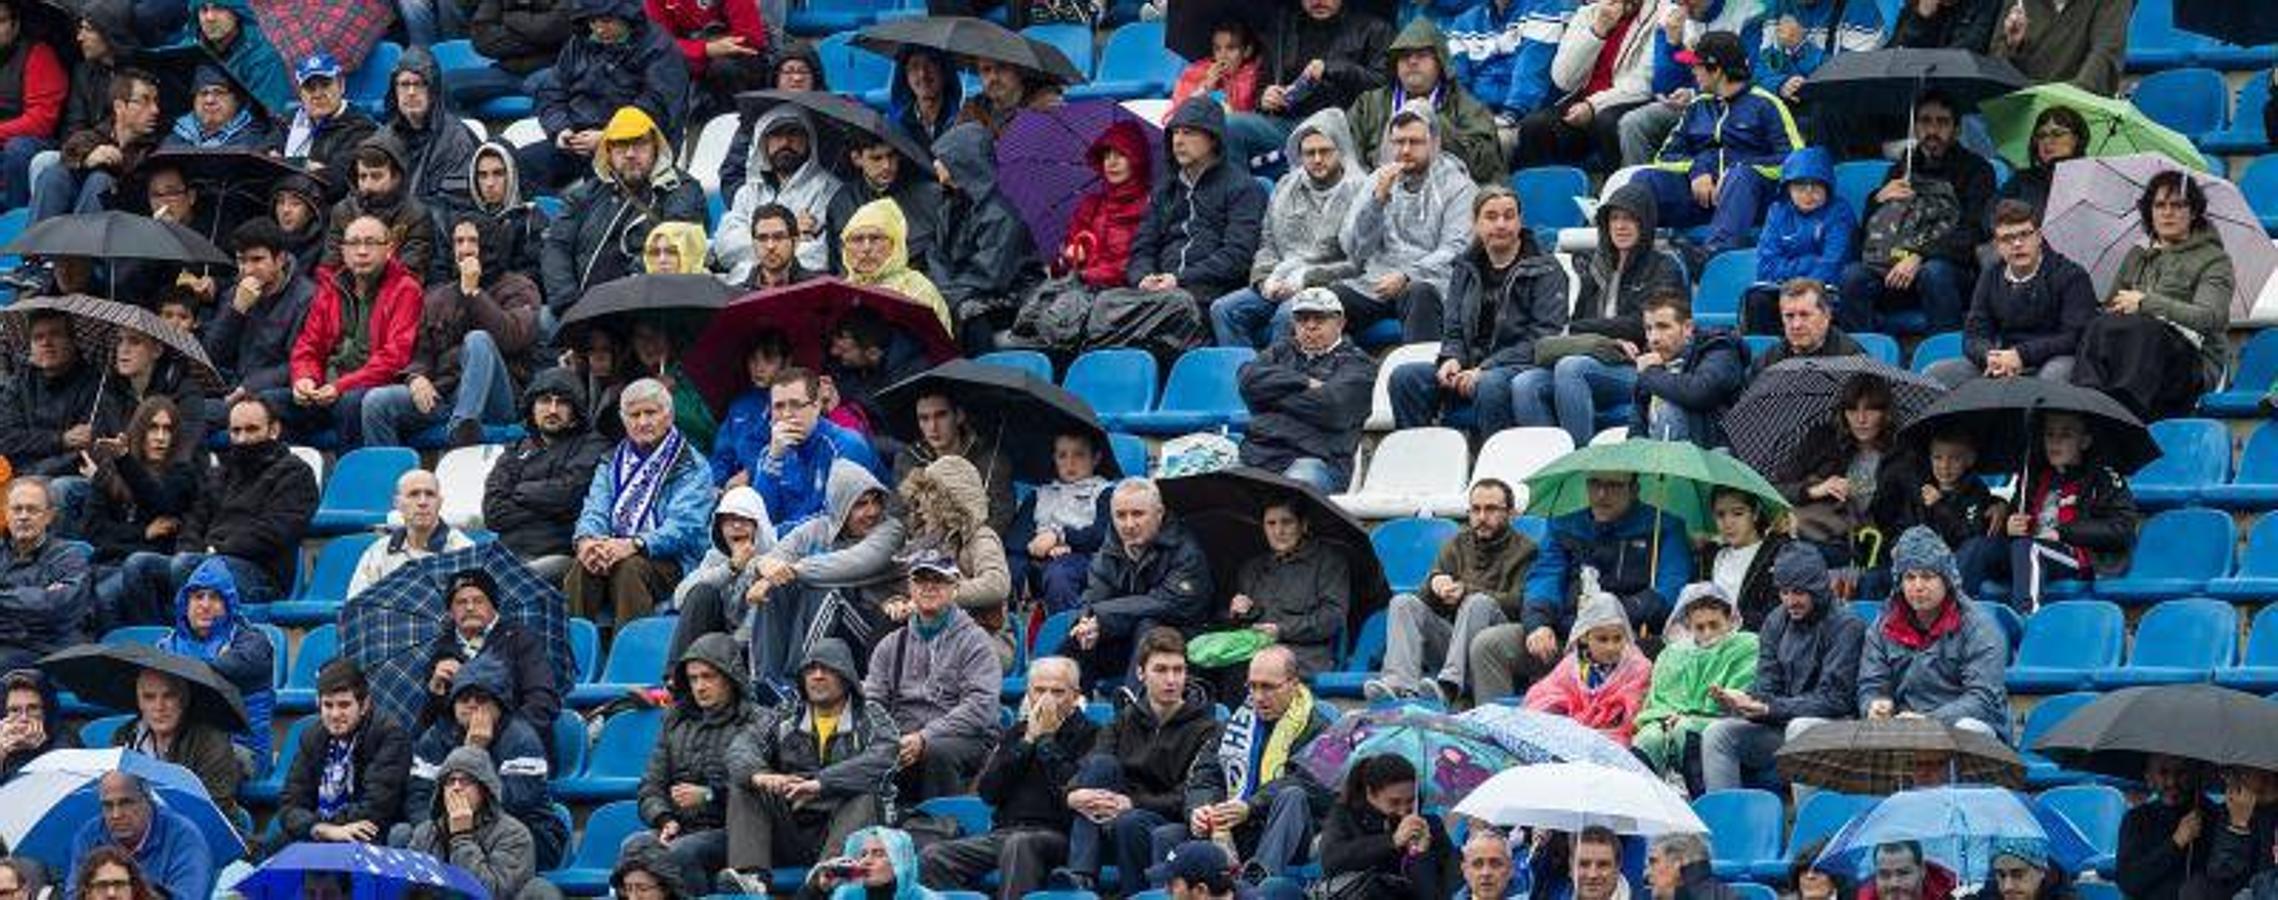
x=1407 y=230
x=938 y=675
x=220 y=117
x=502 y=742
x=538 y=485
x=437 y=145
x=616 y=59
x=796 y=66
x=1932 y=652
x=983 y=259
x=606 y=219
x=470 y=824
x=1419 y=68
x=815 y=768
x=43 y=580
x=1721 y=165
x=1200 y=235
x=685 y=790
x=879 y=172
x=210 y=626
x=926 y=94
x=1807 y=666
x=326 y=129
x=1504 y=294
x=1615 y=280
x=1297 y=247
x=846 y=555
x=789 y=173
x=381 y=187
x=105 y=39
x=1308 y=396
x=299 y=204
x=228 y=30
x=494 y=191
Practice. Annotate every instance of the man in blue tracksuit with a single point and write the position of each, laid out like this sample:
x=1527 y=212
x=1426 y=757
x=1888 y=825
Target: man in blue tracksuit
x=1721 y=166
x=1502 y=51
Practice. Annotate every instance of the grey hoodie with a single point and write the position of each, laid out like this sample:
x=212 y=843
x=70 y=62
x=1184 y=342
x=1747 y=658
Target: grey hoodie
x=942 y=686
x=859 y=759
x=807 y=191
x=1421 y=230
x=498 y=850
x=824 y=556
x=1299 y=245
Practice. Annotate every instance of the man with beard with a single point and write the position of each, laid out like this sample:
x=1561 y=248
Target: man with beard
x=1420 y=68
x=437 y=147
x=383 y=192
x=538 y=485
x=1007 y=89
x=32 y=88
x=475 y=335
x=606 y=219
x=1925 y=268
x=297 y=202
x=326 y=131
x=1407 y=231
x=94 y=159
x=775 y=248
x=984 y=259
x=250 y=337
x=617 y=58
x=789 y=175
x=1297 y=245
x=359 y=333
x=808 y=772
x=882 y=174
x=1475 y=583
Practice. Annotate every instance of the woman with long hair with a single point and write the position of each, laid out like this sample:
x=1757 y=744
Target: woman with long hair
x=1833 y=479
x=1378 y=839
x=2059 y=133
x=109 y=873
x=144 y=483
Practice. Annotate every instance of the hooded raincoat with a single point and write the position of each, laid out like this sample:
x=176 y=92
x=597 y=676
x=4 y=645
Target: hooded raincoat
x=1464 y=126
x=693 y=748
x=903 y=109
x=1298 y=243
x=499 y=851
x=516 y=759
x=1605 y=698
x=857 y=760
x=1612 y=298
x=439 y=152
x=1807 y=667
x=606 y=219
x=1678 y=705
x=895 y=273
x=1420 y=230
x=982 y=259
x=1099 y=236
x=1201 y=227
x=590 y=81
x=406 y=214
x=807 y=191
x=1815 y=244
x=240 y=653
x=519 y=224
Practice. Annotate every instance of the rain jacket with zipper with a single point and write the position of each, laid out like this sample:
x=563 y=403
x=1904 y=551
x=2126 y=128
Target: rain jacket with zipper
x=1502 y=51
x=255 y=506
x=693 y=748
x=683 y=510
x=1419 y=231
x=982 y=258
x=903 y=105
x=1495 y=325
x=1465 y=127
x=516 y=750
x=1169 y=583
x=522 y=35
x=859 y=758
x=807 y=191
x=590 y=81
x=379 y=763
x=240 y=653
x=440 y=152
x=1107 y=220
x=1798 y=244
x=895 y=274
x=353 y=342
x=256 y=348
x=1622 y=552
x=1949 y=670
x=820 y=551
x=520 y=224
x=604 y=227
x=1154 y=754
x=1719 y=134
x=944 y=686
x=1297 y=244
x=1808 y=667
x=44 y=595
x=1612 y=299
x=1305 y=595
x=500 y=851
x=330 y=141
x=1306 y=405
x=538 y=485
x=1201 y=228
x=172 y=853
x=914 y=190
x=985 y=585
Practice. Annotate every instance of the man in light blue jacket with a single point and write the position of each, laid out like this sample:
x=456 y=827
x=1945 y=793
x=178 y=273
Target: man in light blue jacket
x=647 y=517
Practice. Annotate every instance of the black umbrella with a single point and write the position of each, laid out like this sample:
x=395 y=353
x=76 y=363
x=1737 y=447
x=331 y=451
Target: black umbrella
x=1887 y=81
x=965 y=36
x=104 y=675
x=2114 y=733
x=2000 y=414
x=682 y=303
x=1224 y=509
x=2248 y=24
x=115 y=235
x=1187 y=33
x=1788 y=401
x=226 y=172
x=839 y=116
x=95 y=327
x=1020 y=412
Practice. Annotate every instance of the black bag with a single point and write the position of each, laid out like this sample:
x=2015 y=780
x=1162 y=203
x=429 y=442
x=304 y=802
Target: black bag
x=1051 y=315
x=1163 y=323
x=1361 y=886
x=1919 y=223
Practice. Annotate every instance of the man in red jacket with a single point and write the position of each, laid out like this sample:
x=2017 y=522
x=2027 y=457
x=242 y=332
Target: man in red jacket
x=33 y=84
x=359 y=334
x=725 y=45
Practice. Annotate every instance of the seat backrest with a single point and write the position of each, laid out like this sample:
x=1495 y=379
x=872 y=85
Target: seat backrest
x=1029 y=361
x=1749 y=890
x=99 y=732
x=2260 y=180
x=1135 y=52
x=2050 y=711
x=971 y=813
x=1743 y=824
x=2075 y=634
x=319 y=646
x=1419 y=461
x=1406 y=547
x=1072 y=39
x=2012 y=624
x=2191 y=543
x=2262 y=638
x=314 y=458
x=711 y=150
x=2257 y=362
x=1723 y=280
x=2193 y=452
x=2261 y=556
x=636 y=654
x=1513 y=454
x=2192 y=101
x=335 y=566
x=849 y=69
x=1113 y=381
x=1821 y=815
x=1130 y=454
x=625 y=743
x=1053 y=633
x=1547 y=194
x=368 y=85
x=1367 y=651
x=290 y=748
x=1856 y=181
x=2258 y=461
x=278 y=646
x=1207 y=380
x=567 y=742
x=585 y=648
x=2094 y=809
x=605 y=830
x=2194 y=632
x=1380 y=401
x=1937 y=348
x=146 y=635
x=464 y=473
x=1760 y=344
x=1881 y=348
x=364 y=479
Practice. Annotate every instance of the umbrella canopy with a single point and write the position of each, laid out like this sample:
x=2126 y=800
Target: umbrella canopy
x=965 y=36
x=802 y=313
x=1540 y=737
x=1889 y=80
x=1676 y=476
x=840 y=119
x=2115 y=127
x=2000 y=414
x=374 y=873
x=1882 y=756
x=2245 y=24
x=1225 y=511
x=1959 y=828
x=115 y=235
x=1188 y=31
x=2214 y=725
x=104 y=675
x=1795 y=397
x=682 y=303
x=1573 y=796
x=390 y=628
x=1050 y=148
x=1452 y=757
x=2092 y=220
x=45 y=805
x=1020 y=412
x=95 y=328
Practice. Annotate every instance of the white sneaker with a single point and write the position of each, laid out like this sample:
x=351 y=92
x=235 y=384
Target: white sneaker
x=1379 y=689
x=749 y=884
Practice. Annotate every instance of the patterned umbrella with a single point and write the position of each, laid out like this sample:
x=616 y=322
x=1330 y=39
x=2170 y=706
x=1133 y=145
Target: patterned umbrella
x=43 y=807
x=1882 y=756
x=379 y=873
x=347 y=29
x=2092 y=220
x=391 y=627
x=95 y=327
x=1049 y=148
x=1538 y=737
x=1450 y=755
x=1792 y=399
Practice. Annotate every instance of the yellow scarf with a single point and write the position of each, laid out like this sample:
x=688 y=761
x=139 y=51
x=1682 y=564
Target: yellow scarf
x=1284 y=737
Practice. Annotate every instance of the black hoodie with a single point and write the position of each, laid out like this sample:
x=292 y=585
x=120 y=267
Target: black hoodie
x=1647 y=270
x=693 y=748
x=437 y=152
x=533 y=494
x=1206 y=232
x=407 y=218
x=1155 y=755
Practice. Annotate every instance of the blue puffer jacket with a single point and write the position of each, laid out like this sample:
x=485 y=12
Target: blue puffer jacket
x=1816 y=244
x=238 y=651
x=1622 y=552
x=591 y=80
x=683 y=528
x=1503 y=58
x=1958 y=674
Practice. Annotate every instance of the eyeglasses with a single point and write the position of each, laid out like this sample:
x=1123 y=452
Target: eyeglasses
x=790 y=405
x=771 y=237
x=2052 y=132
x=366 y=243
x=1267 y=687
x=2015 y=238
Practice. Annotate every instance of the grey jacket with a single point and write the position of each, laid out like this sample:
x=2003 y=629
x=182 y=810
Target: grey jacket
x=1305 y=595
x=1958 y=675
x=498 y=850
x=943 y=686
x=1299 y=244
x=692 y=749
x=824 y=556
x=1419 y=232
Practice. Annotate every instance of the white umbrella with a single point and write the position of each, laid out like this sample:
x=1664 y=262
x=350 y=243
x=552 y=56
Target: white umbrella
x=2092 y=220
x=1573 y=796
x=45 y=805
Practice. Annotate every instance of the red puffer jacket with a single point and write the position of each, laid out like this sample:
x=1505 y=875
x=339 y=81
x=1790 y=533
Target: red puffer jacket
x=1099 y=237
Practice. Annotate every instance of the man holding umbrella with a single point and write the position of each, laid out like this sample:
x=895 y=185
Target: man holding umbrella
x=606 y=219
x=1944 y=189
x=47 y=407
x=166 y=845
x=165 y=726
x=43 y=581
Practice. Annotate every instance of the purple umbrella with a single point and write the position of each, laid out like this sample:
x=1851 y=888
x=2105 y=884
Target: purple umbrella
x=2092 y=220
x=1046 y=150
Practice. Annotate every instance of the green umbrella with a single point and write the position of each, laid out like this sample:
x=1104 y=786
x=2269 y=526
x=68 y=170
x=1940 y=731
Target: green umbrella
x=1676 y=476
x=2115 y=127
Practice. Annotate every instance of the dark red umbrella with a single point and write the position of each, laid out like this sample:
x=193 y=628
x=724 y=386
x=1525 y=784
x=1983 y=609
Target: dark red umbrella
x=803 y=313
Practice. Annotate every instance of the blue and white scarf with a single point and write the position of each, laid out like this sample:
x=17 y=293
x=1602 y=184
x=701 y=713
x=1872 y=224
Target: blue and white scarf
x=640 y=480
x=336 y=782
x=186 y=130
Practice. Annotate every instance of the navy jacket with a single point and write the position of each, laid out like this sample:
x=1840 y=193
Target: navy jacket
x=1622 y=552
x=590 y=80
x=1205 y=232
x=1714 y=372
x=1290 y=419
x=2040 y=318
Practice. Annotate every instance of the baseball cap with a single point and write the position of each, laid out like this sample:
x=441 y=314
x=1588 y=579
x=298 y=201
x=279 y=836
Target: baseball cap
x=1316 y=300
x=318 y=65
x=1197 y=862
x=1719 y=49
x=935 y=563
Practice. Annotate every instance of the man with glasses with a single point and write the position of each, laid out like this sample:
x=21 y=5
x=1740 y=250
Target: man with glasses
x=165 y=844
x=793 y=474
x=43 y=581
x=327 y=129
x=938 y=676
x=1474 y=584
x=2027 y=313
x=22 y=878
x=94 y=159
x=437 y=145
x=1248 y=788
x=359 y=333
x=1921 y=259
x=775 y=248
x=33 y=723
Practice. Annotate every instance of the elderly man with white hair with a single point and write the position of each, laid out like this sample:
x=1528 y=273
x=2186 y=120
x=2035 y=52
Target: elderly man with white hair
x=1152 y=573
x=420 y=531
x=1677 y=865
x=647 y=515
x=1026 y=779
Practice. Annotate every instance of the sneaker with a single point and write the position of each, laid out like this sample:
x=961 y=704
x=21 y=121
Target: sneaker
x=1379 y=689
x=466 y=433
x=750 y=884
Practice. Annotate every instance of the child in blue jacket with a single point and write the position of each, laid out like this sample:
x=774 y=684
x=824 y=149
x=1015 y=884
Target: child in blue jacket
x=1809 y=233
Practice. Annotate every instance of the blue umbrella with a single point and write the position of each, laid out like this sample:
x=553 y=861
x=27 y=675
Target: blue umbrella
x=45 y=805
x=1536 y=737
x=1958 y=827
x=390 y=628
x=374 y=873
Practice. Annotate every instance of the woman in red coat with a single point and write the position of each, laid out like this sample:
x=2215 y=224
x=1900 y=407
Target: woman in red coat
x=1099 y=236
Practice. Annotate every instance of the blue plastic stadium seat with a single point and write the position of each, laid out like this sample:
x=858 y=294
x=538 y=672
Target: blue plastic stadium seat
x=2195 y=454
x=2257 y=577
x=613 y=767
x=566 y=742
x=586 y=867
x=1117 y=383
x=1360 y=664
x=99 y=732
x=1133 y=64
x=2194 y=102
x=827 y=16
x=1546 y=196
x=1049 y=637
x=263 y=792
x=2260 y=185
x=361 y=489
x=2066 y=644
x=1378 y=334
x=2257 y=668
x=2180 y=551
x=2155 y=43
x=1071 y=39
x=2040 y=771
x=2246 y=134
x=319 y=646
x=146 y=635
x=2095 y=811
x=2255 y=484
x=2178 y=642
x=636 y=661
x=367 y=87
x=1203 y=394
x=1406 y=548
x=1935 y=349
x=12 y=224
x=1723 y=280
x=972 y=814
x=1881 y=348
x=585 y=648
x=1029 y=361
x=1130 y=453
x=1857 y=181
x=2257 y=368
x=1760 y=344
x=849 y=69
x=1817 y=818
x=1745 y=827
x=320 y=597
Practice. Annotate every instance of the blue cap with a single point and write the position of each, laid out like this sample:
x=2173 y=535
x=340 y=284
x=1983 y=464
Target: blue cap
x=935 y=563
x=320 y=65
x=1195 y=862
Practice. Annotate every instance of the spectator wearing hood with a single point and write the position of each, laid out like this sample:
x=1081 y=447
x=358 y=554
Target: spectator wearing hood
x=648 y=871
x=476 y=332
x=982 y=259
x=646 y=514
x=33 y=85
x=1603 y=69
x=1807 y=665
x=887 y=864
x=1504 y=294
x=881 y=173
x=1602 y=678
x=359 y=334
x=1200 y=235
x=1406 y=231
x=1308 y=396
x=220 y=117
x=210 y=627
x=796 y=66
x=473 y=629
x=946 y=506
x=1315 y=57
x=229 y=30
x=1574 y=391
x=165 y=846
x=468 y=819
x=789 y=172
x=1026 y=780
x=1097 y=247
x=481 y=724
x=539 y=483
x=1474 y=583
x=250 y=337
x=1705 y=653
x=494 y=193
x=938 y=676
x=1501 y=52
x=1932 y=651
x=1721 y=164
x=725 y=44
x=33 y=724
x=524 y=36
x=617 y=58
x=926 y=94
x=1297 y=247
x=299 y=206
x=1152 y=572
x=792 y=466
x=606 y=219
x=105 y=40
x=814 y=769
x=710 y=598
x=1687 y=376
x=382 y=188
x=685 y=788
x=1419 y=69
x=347 y=778
x=326 y=129
x=438 y=147
x=877 y=255
x=1135 y=779
x=848 y=549
x=1809 y=233
x=93 y=159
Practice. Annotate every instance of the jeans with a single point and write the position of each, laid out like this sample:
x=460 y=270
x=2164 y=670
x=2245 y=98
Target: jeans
x=344 y=417
x=1417 y=306
x=2026 y=564
x=1570 y=394
x=1741 y=198
x=1254 y=142
x=1937 y=290
x=1021 y=855
x=16 y=169
x=1732 y=748
x=485 y=394
x=1129 y=836
x=1240 y=319
x=1418 y=400
x=1644 y=128
x=70 y=493
x=1419 y=644
x=1317 y=472
x=1279 y=829
x=60 y=190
